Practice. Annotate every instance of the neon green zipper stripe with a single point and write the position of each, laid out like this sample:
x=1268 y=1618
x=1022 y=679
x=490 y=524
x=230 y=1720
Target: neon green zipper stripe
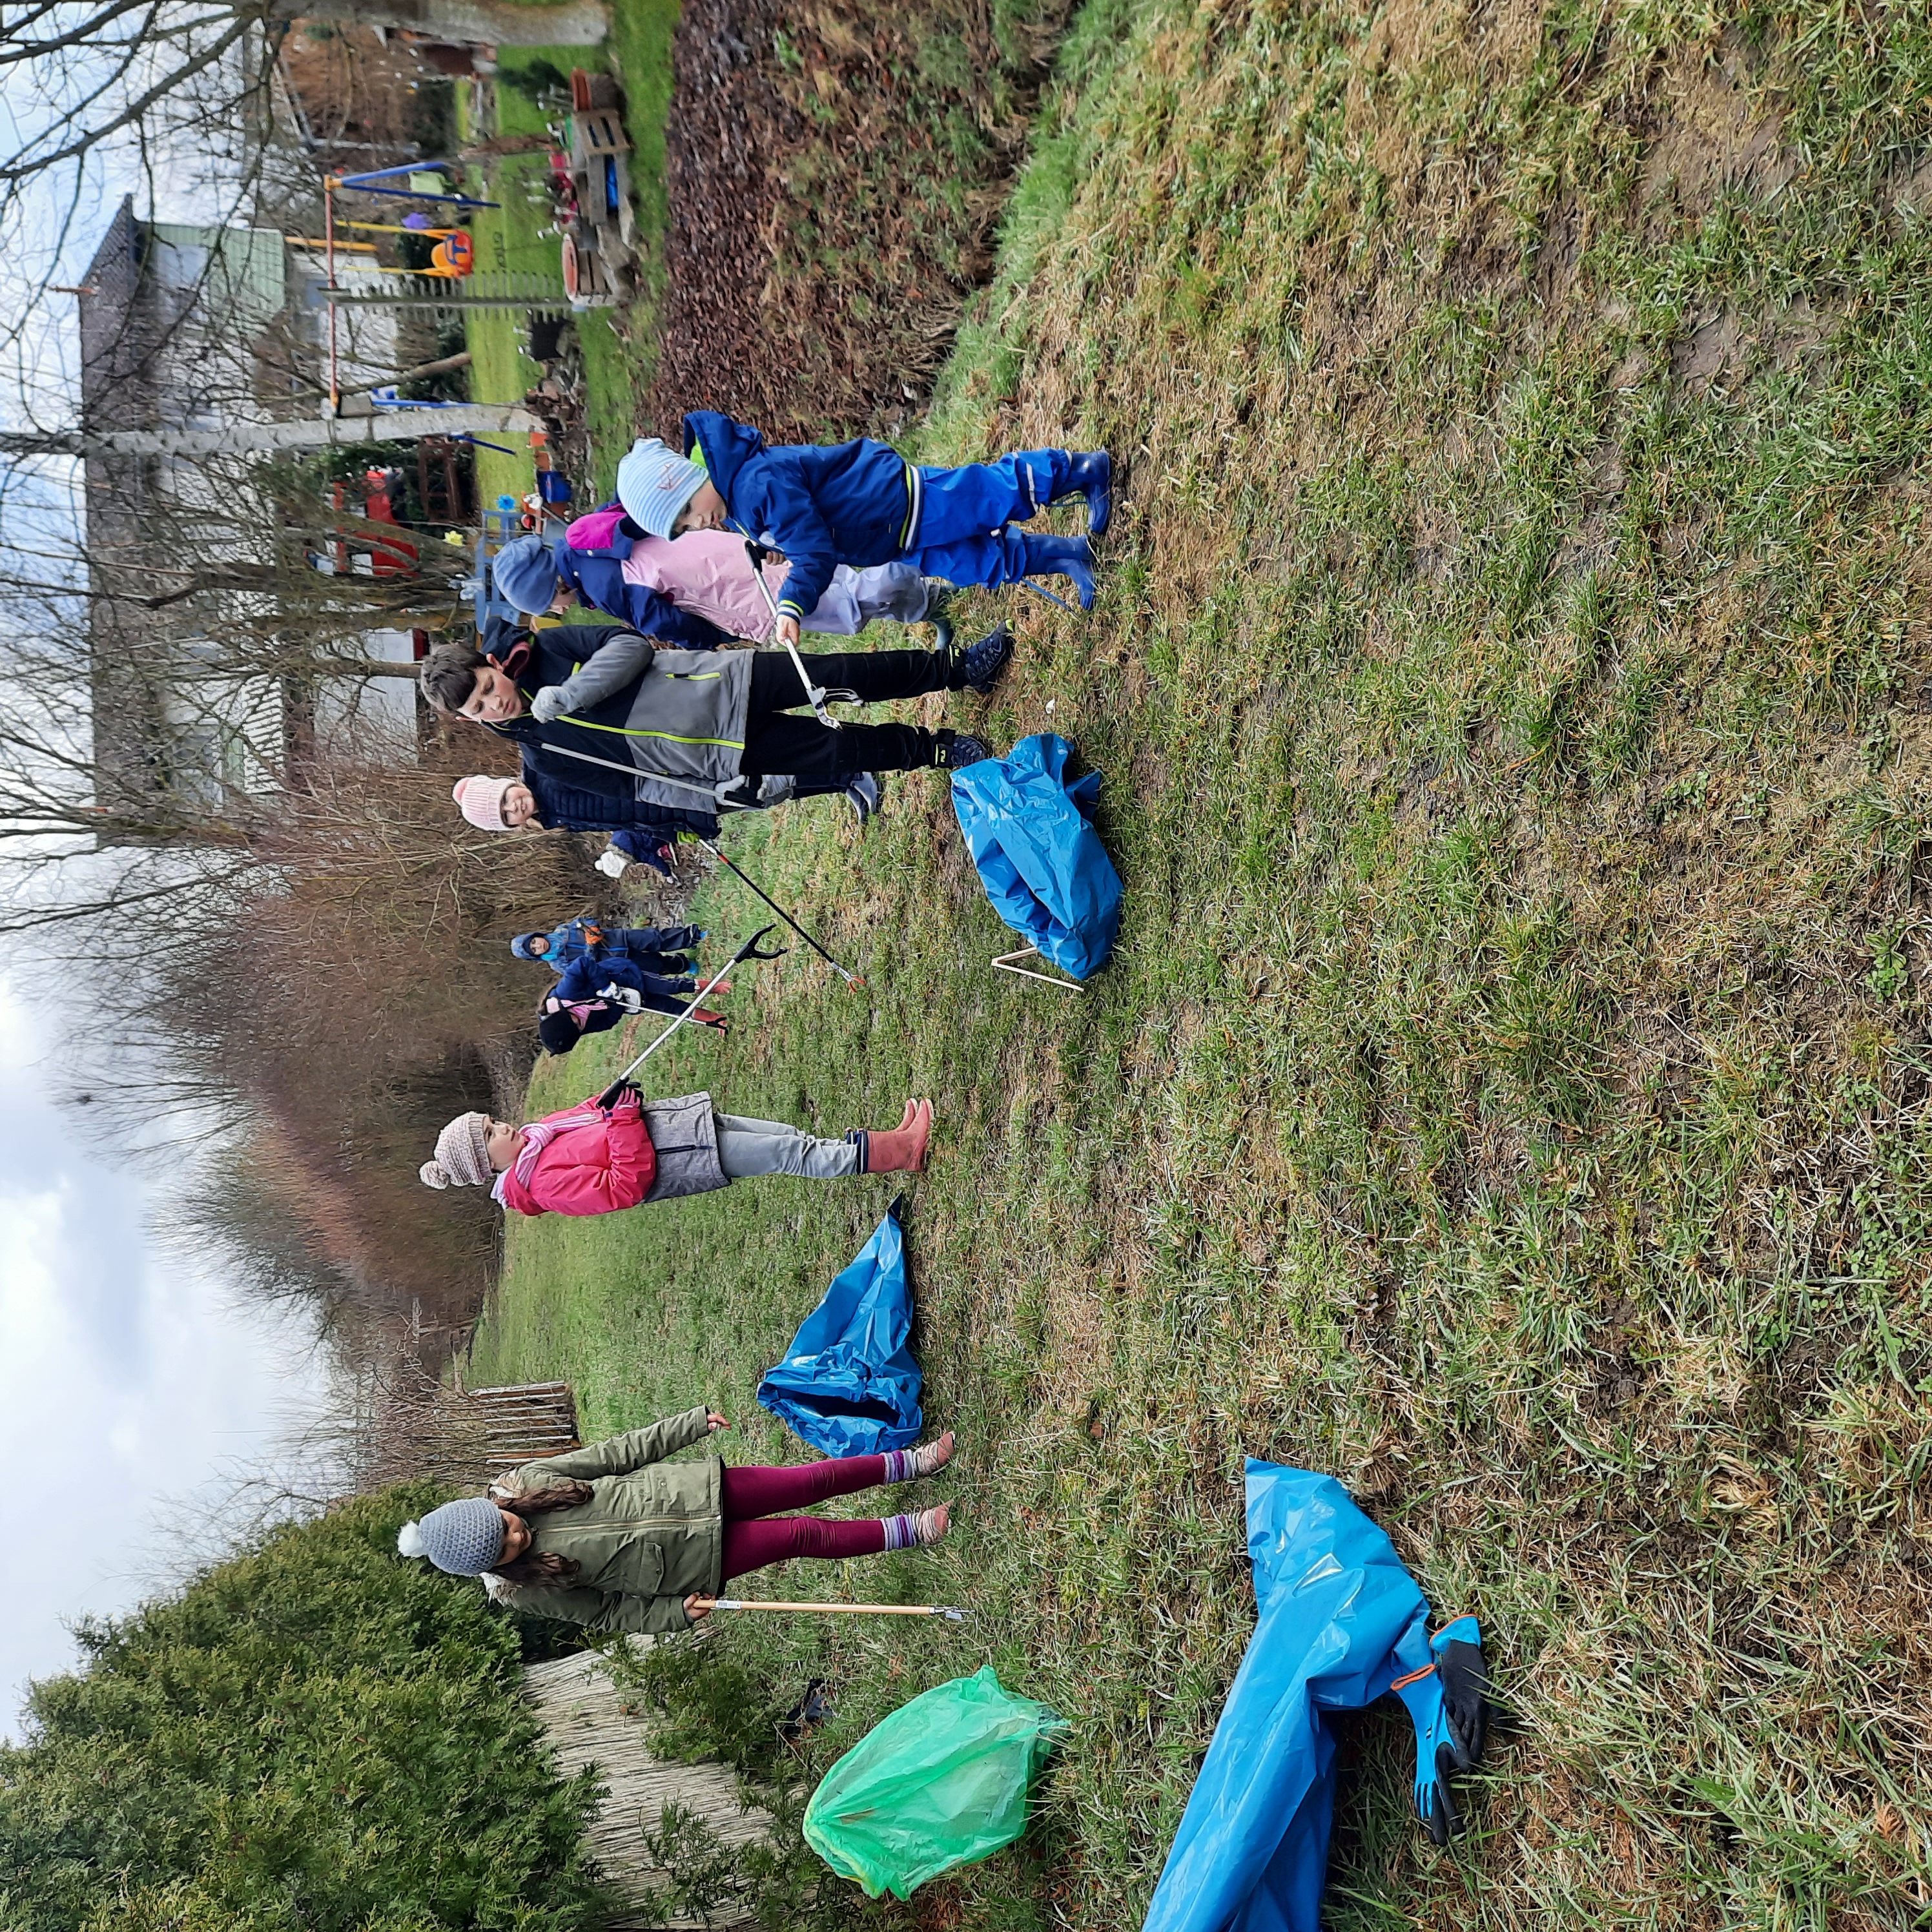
x=669 y=737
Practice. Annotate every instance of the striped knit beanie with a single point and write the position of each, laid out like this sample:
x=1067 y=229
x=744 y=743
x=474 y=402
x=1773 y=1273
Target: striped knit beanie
x=655 y=483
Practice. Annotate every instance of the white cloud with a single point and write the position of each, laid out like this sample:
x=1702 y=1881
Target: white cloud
x=129 y=1375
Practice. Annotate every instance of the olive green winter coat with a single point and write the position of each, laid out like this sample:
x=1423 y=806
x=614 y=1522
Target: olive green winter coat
x=651 y=1533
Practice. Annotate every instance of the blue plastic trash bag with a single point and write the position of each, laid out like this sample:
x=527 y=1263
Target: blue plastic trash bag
x=848 y=1384
x=1039 y=859
x=1339 y=1619
x=942 y=1782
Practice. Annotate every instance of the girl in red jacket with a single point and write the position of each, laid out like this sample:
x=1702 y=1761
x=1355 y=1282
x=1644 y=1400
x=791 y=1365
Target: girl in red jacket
x=595 y=1160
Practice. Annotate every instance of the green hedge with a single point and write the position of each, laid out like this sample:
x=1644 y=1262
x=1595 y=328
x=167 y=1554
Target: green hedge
x=314 y=1734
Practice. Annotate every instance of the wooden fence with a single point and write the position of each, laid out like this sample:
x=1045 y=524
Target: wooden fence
x=409 y=1425
x=519 y=1424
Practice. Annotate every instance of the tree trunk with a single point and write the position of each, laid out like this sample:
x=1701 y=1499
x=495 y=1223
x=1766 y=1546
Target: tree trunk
x=578 y=1705
x=576 y=23
x=266 y=438
x=441 y=366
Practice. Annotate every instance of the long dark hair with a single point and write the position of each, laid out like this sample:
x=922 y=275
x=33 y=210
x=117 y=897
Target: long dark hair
x=549 y=1569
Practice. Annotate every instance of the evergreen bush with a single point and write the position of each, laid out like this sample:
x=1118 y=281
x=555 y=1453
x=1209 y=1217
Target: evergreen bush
x=313 y=1734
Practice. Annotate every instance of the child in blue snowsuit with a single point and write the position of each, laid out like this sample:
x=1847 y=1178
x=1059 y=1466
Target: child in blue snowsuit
x=593 y=995
x=583 y=981
x=537 y=575
x=861 y=502
x=656 y=949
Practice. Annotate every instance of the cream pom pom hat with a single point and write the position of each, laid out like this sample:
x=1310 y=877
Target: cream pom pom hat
x=462 y=1155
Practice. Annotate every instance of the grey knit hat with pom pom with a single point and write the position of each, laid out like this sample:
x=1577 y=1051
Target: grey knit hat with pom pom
x=464 y=1538
x=462 y=1155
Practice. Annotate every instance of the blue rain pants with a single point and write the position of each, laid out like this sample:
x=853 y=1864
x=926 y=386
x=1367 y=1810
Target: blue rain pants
x=964 y=512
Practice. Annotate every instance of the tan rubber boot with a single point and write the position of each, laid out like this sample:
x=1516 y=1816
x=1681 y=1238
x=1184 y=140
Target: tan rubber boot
x=901 y=1150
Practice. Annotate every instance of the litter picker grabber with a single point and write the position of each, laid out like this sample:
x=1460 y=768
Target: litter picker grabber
x=945 y=1610
x=749 y=950
x=715 y=794
x=1008 y=962
x=1040 y=590
x=851 y=978
x=816 y=695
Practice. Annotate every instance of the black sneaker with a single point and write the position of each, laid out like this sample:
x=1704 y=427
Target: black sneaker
x=983 y=667
x=958 y=749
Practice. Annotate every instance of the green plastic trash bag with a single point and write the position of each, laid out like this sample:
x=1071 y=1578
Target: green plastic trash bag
x=942 y=1782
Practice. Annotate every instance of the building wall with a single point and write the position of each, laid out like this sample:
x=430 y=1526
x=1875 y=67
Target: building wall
x=187 y=326
x=167 y=333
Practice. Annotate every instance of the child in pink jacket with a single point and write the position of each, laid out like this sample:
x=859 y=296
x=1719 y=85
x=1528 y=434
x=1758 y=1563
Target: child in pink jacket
x=598 y=1158
x=629 y=575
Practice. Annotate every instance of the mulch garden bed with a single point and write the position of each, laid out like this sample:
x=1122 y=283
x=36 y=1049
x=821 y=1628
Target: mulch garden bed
x=835 y=177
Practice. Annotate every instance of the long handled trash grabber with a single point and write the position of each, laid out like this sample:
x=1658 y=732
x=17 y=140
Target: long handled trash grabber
x=610 y=764
x=945 y=1610
x=749 y=950
x=816 y=695
x=1040 y=590
x=851 y=978
x=713 y=792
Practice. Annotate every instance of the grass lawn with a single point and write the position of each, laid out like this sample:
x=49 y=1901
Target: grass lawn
x=615 y=369
x=1511 y=1092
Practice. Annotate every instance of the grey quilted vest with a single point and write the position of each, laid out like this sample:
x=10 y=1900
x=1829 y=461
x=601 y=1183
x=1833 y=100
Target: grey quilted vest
x=685 y=1135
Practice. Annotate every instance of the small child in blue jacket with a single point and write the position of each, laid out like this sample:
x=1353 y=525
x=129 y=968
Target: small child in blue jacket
x=662 y=950
x=863 y=503
x=593 y=995
x=690 y=595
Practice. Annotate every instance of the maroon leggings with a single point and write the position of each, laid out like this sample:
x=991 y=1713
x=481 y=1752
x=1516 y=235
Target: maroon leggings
x=751 y=1493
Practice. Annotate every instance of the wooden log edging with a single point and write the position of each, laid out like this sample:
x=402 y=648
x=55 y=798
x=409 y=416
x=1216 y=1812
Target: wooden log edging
x=580 y=1709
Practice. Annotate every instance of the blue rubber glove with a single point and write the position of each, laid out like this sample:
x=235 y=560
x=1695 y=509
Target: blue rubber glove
x=1421 y=1691
x=1447 y=1701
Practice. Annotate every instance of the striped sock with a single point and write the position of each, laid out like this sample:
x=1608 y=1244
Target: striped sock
x=906 y=1466
x=913 y=1532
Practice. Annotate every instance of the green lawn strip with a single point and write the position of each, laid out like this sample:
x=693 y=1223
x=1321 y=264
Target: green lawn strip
x=1508 y=1092
x=505 y=237
x=619 y=368
x=616 y=367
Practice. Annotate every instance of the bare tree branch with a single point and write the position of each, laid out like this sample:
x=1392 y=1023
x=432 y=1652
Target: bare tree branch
x=22 y=167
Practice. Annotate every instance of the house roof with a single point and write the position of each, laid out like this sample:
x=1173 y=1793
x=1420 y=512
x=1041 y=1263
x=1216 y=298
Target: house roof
x=243 y=274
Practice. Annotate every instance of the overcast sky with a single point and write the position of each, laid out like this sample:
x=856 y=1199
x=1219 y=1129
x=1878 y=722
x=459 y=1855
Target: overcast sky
x=133 y=1378
x=130 y=1378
